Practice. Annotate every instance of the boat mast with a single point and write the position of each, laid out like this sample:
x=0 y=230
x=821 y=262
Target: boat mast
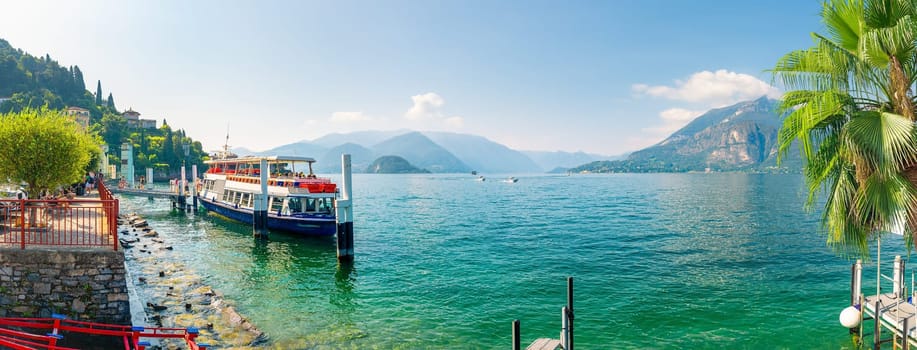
x=226 y=145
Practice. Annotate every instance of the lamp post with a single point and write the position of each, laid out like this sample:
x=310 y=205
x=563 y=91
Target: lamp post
x=185 y=147
x=184 y=180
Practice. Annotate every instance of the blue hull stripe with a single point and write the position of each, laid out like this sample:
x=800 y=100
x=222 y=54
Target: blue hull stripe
x=307 y=226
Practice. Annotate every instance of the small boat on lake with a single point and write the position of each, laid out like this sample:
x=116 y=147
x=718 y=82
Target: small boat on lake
x=298 y=201
x=511 y=180
x=480 y=178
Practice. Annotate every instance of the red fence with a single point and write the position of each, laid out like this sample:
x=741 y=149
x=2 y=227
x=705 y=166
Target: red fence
x=55 y=327
x=60 y=222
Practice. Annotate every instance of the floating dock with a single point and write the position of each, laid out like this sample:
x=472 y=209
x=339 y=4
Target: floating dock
x=892 y=313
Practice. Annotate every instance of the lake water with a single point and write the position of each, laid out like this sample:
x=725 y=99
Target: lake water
x=443 y=261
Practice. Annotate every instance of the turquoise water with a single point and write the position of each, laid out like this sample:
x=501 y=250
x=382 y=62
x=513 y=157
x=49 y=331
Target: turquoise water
x=443 y=261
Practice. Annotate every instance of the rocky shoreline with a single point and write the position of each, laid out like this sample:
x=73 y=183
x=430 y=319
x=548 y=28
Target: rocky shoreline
x=174 y=295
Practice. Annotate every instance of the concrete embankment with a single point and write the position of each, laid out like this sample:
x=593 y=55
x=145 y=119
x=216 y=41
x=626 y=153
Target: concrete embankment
x=174 y=295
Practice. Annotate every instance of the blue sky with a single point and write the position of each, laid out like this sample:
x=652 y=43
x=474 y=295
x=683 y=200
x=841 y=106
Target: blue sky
x=605 y=77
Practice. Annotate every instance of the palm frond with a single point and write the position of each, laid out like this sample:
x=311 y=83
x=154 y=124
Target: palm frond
x=885 y=141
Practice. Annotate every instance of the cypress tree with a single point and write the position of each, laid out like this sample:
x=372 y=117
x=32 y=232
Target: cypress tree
x=99 y=93
x=78 y=77
x=111 y=102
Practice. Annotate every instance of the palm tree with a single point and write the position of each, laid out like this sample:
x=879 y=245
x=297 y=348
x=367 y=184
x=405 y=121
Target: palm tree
x=851 y=108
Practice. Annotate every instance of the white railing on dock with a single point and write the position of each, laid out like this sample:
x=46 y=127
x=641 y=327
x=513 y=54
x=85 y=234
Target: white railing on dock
x=887 y=310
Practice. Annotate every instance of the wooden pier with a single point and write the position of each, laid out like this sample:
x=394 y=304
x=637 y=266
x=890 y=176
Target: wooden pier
x=566 y=329
x=544 y=344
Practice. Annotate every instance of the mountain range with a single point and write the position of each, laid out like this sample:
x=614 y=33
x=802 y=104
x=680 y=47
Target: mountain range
x=741 y=137
x=438 y=152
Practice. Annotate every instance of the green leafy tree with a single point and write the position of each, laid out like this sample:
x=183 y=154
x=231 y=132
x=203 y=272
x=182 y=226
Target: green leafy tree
x=113 y=130
x=851 y=109
x=44 y=149
x=99 y=93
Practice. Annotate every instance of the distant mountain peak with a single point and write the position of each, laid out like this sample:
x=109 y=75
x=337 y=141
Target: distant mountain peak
x=737 y=137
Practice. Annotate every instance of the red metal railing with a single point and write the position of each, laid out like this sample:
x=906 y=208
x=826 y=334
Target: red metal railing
x=132 y=336
x=60 y=222
x=111 y=212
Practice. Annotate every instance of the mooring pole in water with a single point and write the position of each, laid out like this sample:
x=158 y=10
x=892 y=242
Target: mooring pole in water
x=904 y=343
x=194 y=187
x=856 y=281
x=182 y=202
x=344 y=212
x=259 y=220
x=569 y=309
x=897 y=276
x=877 y=332
x=149 y=176
x=517 y=343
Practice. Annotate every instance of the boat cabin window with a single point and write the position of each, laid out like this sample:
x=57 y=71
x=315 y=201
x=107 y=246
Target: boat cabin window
x=295 y=205
x=309 y=205
x=280 y=169
x=323 y=205
x=276 y=204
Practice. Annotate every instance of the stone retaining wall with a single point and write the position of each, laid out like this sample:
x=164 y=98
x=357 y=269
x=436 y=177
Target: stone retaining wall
x=84 y=284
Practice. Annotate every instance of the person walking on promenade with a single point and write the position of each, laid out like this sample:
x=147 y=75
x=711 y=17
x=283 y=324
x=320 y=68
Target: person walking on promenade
x=90 y=181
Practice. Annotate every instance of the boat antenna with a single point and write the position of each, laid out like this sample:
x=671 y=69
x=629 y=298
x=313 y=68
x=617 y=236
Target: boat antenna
x=226 y=145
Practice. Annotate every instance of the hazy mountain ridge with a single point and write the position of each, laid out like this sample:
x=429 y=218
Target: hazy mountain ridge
x=363 y=138
x=422 y=152
x=330 y=162
x=458 y=152
x=741 y=137
x=484 y=155
x=560 y=159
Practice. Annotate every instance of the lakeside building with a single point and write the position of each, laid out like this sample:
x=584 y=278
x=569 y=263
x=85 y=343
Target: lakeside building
x=81 y=115
x=133 y=120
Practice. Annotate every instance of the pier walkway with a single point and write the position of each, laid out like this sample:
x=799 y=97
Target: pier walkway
x=145 y=193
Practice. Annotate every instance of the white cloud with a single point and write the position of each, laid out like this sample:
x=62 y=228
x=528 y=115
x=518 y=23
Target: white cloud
x=427 y=112
x=714 y=89
x=349 y=117
x=426 y=106
x=672 y=120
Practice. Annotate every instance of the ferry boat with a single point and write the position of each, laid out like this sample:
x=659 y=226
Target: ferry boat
x=298 y=201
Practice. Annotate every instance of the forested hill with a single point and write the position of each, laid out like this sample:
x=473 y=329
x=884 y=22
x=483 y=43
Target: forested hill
x=38 y=81
x=30 y=81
